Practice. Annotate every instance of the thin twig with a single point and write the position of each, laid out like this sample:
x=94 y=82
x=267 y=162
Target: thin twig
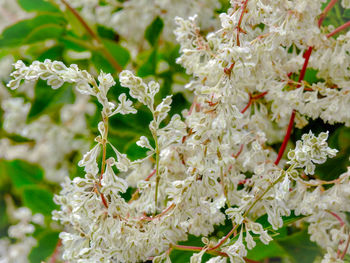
x=55 y=252
x=338 y=29
x=89 y=30
x=325 y=11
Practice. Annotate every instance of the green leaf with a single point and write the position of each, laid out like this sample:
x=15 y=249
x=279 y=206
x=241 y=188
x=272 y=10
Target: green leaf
x=119 y=53
x=43 y=32
x=28 y=31
x=262 y=251
x=47 y=242
x=53 y=53
x=311 y=76
x=153 y=31
x=287 y=220
x=22 y=173
x=107 y=33
x=135 y=152
x=149 y=67
x=4 y=222
x=299 y=247
x=75 y=25
x=38 y=200
x=101 y=63
x=37 y=5
x=333 y=167
x=47 y=99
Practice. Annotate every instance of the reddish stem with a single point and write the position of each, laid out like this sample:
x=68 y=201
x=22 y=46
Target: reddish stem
x=342 y=223
x=259 y=95
x=103 y=198
x=248 y=105
x=239 y=152
x=133 y=197
x=150 y=176
x=250 y=260
x=325 y=11
x=104 y=201
x=229 y=70
x=286 y=138
x=240 y=21
x=224 y=239
x=251 y=99
x=55 y=252
x=338 y=29
x=105 y=51
x=147 y=218
x=346 y=248
x=193 y=105
x=307 y=55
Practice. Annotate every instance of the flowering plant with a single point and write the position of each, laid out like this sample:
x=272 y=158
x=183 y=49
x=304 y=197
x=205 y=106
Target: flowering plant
x=227 y=178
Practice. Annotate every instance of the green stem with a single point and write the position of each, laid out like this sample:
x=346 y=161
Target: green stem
x=104 y=145
x=157 y=171
x=233 y=230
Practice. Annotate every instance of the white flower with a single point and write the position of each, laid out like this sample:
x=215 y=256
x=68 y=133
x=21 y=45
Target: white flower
x=124 y=107
x=143 y=142
x=250 y=241
x=345 y=4
x=110 y=182
x=197 y=257
x=106 y=81
x=310 y=150
x=89 y=161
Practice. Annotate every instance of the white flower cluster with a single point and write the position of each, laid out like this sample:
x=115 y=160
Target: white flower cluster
x=49 y=143
x=17 y=247
x=121 y=16
x=218 y=162
x=309 y=151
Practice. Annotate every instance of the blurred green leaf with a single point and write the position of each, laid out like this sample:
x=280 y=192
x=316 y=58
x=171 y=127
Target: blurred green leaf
x=101 y=63
x=32 y=30
x=39 y=200
x=287 y=220
x=23 y=173
x=134 y=151
x=47 y=242
x=262 y=251
x=42 y=33
x=37 y=5
x=47 y=99
x=75 y=25
x=53 y=53
x=153 y=31
x=72 y=41
x=335 y=16
x=333 y=167
x=299 y=247
x=149 y=67
x=119 y=53
x=311 y=76
x=107 y=33
x=3 y=217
